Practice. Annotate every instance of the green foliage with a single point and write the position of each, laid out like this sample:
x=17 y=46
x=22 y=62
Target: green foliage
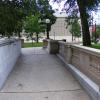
x=82 y=7
x=47 y=13
x=74 y=26
x=13 y=12
x=98 y=29
x=28 y=45
x=42 y=8
x=32 y=24
x=11 y=15
x=75 y=29
x=96 y=46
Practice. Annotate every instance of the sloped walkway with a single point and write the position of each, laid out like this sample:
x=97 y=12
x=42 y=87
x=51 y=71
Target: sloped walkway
x=40 y=76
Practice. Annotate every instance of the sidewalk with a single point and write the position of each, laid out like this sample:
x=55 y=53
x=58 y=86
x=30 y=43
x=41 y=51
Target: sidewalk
x=40 y=76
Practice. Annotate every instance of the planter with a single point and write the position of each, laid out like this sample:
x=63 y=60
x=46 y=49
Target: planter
x=45 y=43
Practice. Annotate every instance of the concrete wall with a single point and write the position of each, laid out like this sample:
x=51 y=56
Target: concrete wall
x=85 y=59
x=9 y=52
x=53 y=46
x=83 y=62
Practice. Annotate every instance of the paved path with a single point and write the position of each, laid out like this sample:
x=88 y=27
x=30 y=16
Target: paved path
x=40 y=76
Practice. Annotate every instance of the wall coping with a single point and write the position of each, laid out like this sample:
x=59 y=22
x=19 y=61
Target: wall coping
x=88 y=50
x=85 y=49
x=7 y=41
x=65 y=43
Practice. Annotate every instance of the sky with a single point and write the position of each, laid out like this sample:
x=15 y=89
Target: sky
x=55 y=6
x=59 y=13
x=96 y=16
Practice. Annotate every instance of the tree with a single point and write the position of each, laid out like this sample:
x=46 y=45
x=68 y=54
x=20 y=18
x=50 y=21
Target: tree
x=43 y=8
x=18 y=28
x=32 y=24
x=83 y=6
x=11 y=14
x=75 y=28
x=46 y=13
x=98 y=29
x=73 y=25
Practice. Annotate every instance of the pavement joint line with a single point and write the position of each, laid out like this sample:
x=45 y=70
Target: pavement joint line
x=31 y=64
x=33 y=54
x=44 y=91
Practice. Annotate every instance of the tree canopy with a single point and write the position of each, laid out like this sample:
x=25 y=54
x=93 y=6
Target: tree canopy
x=13 y=12
x=83 y=7
x=11 y=15
x=98 y=29
x=32 y=25
x=74 y=27
x=43 y=8
x=46 y=13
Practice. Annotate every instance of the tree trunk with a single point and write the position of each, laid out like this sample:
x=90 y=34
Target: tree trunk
x=19 y=35
x=47 y=35
x=37 y=37
x=84 y=23
x=2 y=34
x=72 y=37
x=47 y=31
x=31 y=38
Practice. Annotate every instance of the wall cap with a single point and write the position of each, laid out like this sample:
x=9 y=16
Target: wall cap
x=7 y=41
x=88 y=50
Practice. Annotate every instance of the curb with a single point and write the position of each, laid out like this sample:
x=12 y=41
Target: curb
x=90 y=87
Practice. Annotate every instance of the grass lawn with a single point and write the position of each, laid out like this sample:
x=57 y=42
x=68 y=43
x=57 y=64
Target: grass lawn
x=28 y=45
x=97 y=46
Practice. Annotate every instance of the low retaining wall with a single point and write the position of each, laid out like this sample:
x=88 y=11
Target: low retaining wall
x=9 y=52
x=53 y=46
x=84 y=63
x=87 y=60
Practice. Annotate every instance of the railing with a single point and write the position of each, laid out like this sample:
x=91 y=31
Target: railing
x=83 y=62
x=87 y=60
x=9 y=52
x=65 y=51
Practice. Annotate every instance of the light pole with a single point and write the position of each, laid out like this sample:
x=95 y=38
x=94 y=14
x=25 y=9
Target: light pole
x=47 y=27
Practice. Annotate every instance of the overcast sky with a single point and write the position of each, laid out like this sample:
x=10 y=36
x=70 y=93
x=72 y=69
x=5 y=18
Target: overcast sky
x=96 y=16
x=55 y=6
x=59 y=13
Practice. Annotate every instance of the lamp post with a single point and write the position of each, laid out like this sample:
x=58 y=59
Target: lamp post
x=47 y=28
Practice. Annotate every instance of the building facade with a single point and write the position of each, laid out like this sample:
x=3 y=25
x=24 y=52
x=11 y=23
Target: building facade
x=59 y=30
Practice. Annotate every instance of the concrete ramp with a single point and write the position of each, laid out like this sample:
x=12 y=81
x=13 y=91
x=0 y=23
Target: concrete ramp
x=40 y=76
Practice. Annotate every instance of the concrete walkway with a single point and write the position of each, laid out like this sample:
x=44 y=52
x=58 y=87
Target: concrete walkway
x=40 y=76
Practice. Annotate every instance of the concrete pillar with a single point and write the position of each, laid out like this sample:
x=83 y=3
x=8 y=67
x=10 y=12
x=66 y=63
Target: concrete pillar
x=53 y=46
x=69 y=53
